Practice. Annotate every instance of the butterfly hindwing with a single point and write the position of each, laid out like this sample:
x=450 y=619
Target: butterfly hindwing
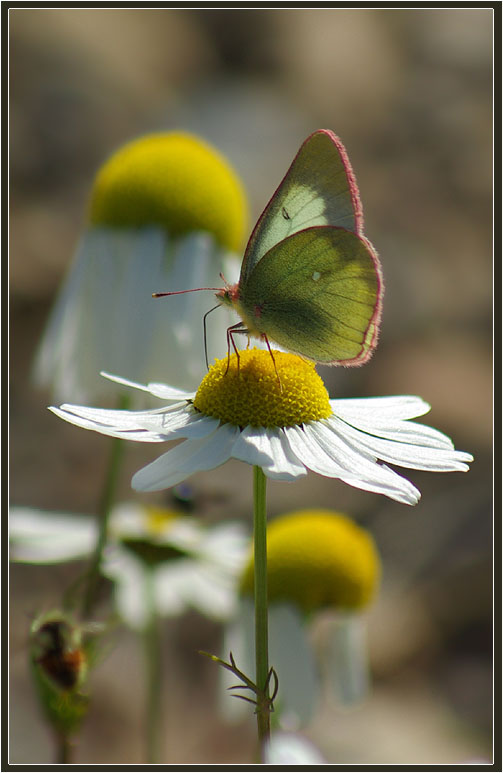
x=318 y=189
x=317 y=293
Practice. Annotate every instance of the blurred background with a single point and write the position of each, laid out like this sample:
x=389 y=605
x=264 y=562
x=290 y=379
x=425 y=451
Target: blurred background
x=410 y=94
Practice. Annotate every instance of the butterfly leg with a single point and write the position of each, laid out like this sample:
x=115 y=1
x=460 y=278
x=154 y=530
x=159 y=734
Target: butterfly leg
x=237 y=328
x=264 y=338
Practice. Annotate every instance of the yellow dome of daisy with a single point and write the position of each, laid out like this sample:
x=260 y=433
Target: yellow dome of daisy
x=318 y=559
x=173 y=180
x=247 y=392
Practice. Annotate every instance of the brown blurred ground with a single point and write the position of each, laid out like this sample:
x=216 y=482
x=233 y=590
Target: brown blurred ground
x=409 y=92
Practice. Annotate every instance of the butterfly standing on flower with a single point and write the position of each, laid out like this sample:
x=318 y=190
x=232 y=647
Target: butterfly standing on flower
x=310 y=280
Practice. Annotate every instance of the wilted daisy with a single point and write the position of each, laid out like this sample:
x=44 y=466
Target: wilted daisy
x=322 y=573
x=152 y=553
x=166 y=213
x=277 y=415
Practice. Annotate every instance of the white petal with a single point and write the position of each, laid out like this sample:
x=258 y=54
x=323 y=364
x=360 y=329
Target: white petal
x=158 y=390
x=346 y=657
x=291 y=655
x=113 y=275
x=226 y=545
x=268 y=448
x=189 y=583
x=45 y=537
x=285 y=466
x=131 y=591
x=387 y=425
x=126 y=434
x=172 y=582
x=402 y=453
x=380 y=409
x=161 y=424
x=332 y=457
x=287 y=749
x=166 y=392
x=362 y=465
x=187 y=458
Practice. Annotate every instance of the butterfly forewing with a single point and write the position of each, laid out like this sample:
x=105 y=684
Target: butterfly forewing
x=317 y=293
x=318 y=189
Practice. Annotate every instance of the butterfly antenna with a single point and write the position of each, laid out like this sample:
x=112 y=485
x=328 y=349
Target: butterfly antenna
x=204 y=335
x=180 y=292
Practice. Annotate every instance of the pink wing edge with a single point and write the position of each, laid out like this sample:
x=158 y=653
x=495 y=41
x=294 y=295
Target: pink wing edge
x=375 y=320
x=350 y=176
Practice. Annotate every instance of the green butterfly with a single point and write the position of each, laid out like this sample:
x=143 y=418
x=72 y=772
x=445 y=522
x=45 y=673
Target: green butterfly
x=310 y=280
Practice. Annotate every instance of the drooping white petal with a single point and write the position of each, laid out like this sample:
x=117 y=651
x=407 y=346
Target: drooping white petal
x=39 y=537
x=333 y=457
x=402 y=453
x=345 y=656
x=187 y=458
x=105 y=316
x=292 y=657
x=290 y=654
x=267 y=448
x=363 y=464
x=176 y=339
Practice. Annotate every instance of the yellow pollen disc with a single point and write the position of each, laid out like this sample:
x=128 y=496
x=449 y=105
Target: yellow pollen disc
x=157 y=518
x=318 y=559
x=172 y=180
x=252 y=395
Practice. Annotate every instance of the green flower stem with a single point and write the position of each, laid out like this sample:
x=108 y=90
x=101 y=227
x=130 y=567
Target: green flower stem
x=153 y=665
x=261 y=637
x=105 y=506
x=64 y=750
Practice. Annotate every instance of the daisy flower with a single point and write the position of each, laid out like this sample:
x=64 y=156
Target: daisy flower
x=166 y=213
x=322 y=573
x=278 y=416
x=291 y=749
x=150 y=550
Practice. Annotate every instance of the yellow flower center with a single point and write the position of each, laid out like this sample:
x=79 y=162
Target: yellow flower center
x=157 y=518
x=317 y=559
x=249 y=394
x=173 y=180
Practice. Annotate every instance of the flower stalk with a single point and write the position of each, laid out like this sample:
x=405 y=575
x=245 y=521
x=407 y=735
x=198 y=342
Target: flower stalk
x=153 y=663
x=105 y=506
x=260 y=587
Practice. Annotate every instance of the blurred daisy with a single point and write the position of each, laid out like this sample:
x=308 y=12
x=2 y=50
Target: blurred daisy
x=152 y=553
x=166 y=213
x=291 y=749
x=322 y=573
x=241 y=411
